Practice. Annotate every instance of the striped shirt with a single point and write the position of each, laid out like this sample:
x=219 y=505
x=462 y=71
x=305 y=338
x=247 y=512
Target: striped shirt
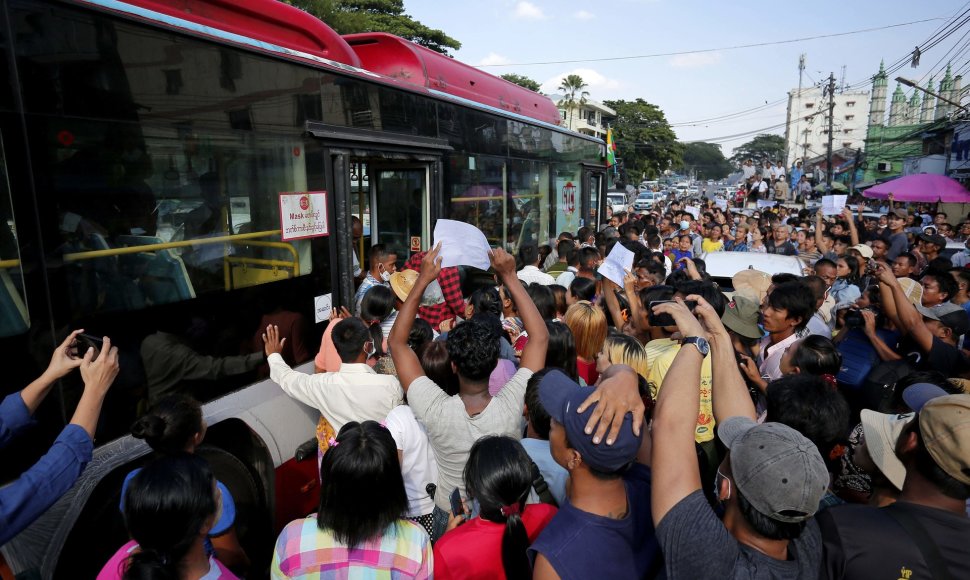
x=305 y=551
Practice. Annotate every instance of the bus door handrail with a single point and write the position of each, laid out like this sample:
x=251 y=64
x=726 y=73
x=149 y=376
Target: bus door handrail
x=92 y=254
x=14 y=263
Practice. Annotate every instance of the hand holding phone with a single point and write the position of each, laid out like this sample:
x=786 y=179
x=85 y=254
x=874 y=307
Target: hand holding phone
x=84 y=341
x=456 y=506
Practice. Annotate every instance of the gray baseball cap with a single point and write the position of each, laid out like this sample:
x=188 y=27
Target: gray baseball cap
x=777 y=469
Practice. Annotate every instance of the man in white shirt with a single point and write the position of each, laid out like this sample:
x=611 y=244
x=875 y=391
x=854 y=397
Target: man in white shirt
x=353 y=393
x=785 y=311
x=530 y=272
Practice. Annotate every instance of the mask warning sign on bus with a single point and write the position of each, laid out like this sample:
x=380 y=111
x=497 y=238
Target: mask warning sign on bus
x=303 y=215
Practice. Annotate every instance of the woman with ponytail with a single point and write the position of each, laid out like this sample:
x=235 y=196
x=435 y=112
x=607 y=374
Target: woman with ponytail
x=498 y=479
x=174 y=426
x=170 y=507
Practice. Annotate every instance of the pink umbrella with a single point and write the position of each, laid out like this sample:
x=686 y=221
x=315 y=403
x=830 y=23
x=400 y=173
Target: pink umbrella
x=925 y=187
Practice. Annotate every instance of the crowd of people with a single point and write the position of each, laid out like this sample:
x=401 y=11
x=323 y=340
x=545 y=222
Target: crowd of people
x=549 y=422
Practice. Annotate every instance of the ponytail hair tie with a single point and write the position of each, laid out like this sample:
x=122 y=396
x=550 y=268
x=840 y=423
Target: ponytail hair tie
x=830 y=379
x=510 y=510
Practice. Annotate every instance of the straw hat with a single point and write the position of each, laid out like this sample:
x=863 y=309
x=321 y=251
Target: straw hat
x=402 y=282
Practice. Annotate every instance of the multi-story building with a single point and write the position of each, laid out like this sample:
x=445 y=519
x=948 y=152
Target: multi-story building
x=890 y=141
x=585 y=117
x=807 y=131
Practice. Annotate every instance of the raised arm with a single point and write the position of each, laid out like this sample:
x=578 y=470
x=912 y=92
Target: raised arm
x=820 y=243
x=853 y=230
x=534 y=353
x=98 y=376
x=910 y=320
x=728 y=390
x=675 y=474
x=612 y=303
x=405 y=360
x=63 y=361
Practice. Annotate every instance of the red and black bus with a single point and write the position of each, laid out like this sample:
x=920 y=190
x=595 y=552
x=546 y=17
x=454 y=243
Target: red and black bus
x=148 y=148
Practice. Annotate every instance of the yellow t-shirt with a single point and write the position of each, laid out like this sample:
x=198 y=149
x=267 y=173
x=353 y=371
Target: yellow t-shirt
x=708 y=246
x=705 y=417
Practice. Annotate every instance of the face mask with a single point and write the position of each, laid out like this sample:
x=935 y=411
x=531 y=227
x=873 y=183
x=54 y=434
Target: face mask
x=764 y=332
x=718 y=477
x=370 y=352
x=385 y=276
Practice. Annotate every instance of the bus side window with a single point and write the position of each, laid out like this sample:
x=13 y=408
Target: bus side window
x=14 y=316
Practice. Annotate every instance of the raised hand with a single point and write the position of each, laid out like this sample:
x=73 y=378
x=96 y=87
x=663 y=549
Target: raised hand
x=502 y=262
x=100 y=373
x=687 y=323
x=64 y=359
x=271 y=340
x=431 y=264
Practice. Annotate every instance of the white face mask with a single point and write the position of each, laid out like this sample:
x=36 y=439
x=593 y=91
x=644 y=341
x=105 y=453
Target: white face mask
x=371 y=351
x=385 y=276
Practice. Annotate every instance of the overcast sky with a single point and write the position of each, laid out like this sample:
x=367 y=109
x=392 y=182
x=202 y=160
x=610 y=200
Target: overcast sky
x=692 y=87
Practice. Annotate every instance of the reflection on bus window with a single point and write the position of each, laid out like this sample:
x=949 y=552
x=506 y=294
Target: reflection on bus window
x=477 y=193
x=14 y=317
x=528 y=207
x=173 y=214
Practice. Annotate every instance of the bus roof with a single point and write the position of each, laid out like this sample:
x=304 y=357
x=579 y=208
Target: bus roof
x=280 y=26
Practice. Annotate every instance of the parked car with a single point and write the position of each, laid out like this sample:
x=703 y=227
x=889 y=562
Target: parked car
x=646 y=200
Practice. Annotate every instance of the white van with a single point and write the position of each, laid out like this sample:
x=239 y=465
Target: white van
x=616 y=200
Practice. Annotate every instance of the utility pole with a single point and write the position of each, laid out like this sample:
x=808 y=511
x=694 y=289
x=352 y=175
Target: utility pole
x=828 y=155
x=798 y=110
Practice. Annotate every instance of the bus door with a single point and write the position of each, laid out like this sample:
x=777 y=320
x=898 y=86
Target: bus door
x=388 y=182
x=594 y=184
x=400 y=208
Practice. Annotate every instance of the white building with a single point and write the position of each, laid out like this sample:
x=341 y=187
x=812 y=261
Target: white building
x=806 y=134
x=586 y=118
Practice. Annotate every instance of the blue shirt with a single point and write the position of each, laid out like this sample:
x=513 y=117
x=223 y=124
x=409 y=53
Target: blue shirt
x=24 y=500
x=581 y=545
x=554 y=474
x=796 y=176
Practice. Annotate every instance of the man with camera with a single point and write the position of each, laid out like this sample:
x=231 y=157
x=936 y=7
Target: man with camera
x=932 y=334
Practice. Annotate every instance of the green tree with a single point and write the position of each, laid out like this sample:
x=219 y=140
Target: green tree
x=571 y=86
x=351 y=16
x=706 y=160
x=645 y=143
x=761 y=148
x=522 y=81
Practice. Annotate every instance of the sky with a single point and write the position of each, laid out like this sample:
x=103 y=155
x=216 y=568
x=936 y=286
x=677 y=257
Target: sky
x=691 y=88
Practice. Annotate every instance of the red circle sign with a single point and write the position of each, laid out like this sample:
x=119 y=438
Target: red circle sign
x=305 y=202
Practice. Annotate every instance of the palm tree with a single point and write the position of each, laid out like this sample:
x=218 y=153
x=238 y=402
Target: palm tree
x=571 y=86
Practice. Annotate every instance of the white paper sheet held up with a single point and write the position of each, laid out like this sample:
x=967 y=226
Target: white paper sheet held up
x=833 y=204
x=766 y=203
x=461 y=244
x=694 y=211
x=721 y=203
x=616 y=264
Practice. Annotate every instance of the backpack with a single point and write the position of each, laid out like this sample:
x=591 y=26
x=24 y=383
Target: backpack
x=880 y=384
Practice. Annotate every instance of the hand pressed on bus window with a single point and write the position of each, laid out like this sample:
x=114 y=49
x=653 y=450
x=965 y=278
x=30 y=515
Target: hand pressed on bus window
x=271 y=340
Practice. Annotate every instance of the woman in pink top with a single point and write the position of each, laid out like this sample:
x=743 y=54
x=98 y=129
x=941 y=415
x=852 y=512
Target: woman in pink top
x=170 y=506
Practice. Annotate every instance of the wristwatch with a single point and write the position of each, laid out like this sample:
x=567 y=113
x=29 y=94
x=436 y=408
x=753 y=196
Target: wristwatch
x=700 y=342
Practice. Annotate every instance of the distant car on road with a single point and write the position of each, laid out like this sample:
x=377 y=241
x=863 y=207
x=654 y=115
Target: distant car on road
x=646 y=200
x=616 y=200
x=722 y=266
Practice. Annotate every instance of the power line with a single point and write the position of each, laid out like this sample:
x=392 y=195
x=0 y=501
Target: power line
x=704 y=50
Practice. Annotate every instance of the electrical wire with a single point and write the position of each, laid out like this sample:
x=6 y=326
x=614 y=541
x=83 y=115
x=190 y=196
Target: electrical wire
x=705 y=50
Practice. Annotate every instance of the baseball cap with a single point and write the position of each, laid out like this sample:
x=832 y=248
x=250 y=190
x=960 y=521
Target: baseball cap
x=936 y=239
x=882 y=431
x=918 y=394
x=560 y=397
x=779 y=471
x=863 y=249
x=949 y=314
x=741 y=316
x=944 y=424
